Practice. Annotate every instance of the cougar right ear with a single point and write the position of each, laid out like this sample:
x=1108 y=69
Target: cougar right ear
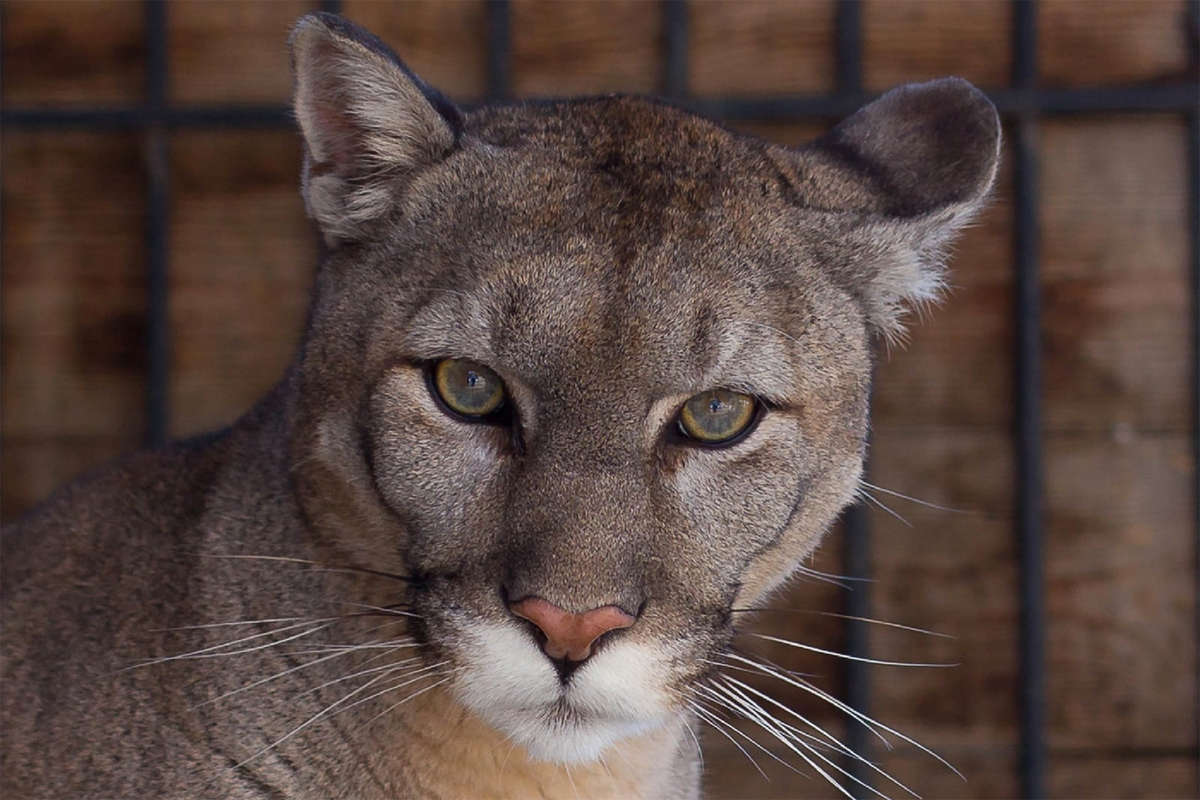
x=366 y=119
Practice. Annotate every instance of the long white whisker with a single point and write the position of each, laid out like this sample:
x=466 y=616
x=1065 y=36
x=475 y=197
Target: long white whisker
x=846 y=656
x=207 y=652
x=868 y=722
x=319 y=715
x=756 y=714
x=405 y=700
x=845 y=750
x=872 y=498
x=918 y=501
x=707 y=716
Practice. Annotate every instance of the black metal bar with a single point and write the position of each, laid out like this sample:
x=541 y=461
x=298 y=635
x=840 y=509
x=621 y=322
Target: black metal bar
x=675 y=51
x=856 y=550
x=1175 y=99
x=1028 y=422
x=499 y=50
x=157 y=201
x=1193 y=133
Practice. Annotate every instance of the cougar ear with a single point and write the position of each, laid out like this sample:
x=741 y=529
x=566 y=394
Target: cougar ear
x=901 y=176
x=366 y=120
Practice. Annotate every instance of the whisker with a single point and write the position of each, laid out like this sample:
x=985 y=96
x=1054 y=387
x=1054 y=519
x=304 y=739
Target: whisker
x=918 y=501
x=868 y=722
x=707 y=716
x=845 y=750
x=315 y=717
x=405 y=700
x=863 y=493
x=208 y=652
x=846 y=656
x=756 y=714
x=310 y=563
x=769 y=610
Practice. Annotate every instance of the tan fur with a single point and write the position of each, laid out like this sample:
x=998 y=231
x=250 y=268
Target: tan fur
x=609 y=258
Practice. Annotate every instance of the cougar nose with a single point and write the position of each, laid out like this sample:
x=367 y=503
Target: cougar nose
x=570 y=636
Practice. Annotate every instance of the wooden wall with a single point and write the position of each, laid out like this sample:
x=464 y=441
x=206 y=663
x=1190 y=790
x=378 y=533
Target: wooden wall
x=1120 y=560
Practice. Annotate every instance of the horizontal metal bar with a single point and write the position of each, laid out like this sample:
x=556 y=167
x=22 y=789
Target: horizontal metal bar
x=1178 y=98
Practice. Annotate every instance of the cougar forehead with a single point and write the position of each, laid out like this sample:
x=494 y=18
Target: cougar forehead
x=568 y=241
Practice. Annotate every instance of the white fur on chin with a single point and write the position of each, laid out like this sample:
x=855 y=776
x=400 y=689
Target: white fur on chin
x=509 y=683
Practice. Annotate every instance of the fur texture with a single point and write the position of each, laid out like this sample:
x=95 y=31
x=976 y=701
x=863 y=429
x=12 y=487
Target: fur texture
x=609 y=258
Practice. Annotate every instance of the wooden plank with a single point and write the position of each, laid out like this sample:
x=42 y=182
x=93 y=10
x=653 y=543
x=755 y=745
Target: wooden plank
x=66 y=52
x=987 y=773
x=1121 y=592
x=242 y=259
x=755 y=47
x=234 y=52
x=1115 y=275
x=586 y=48
x=914 y=40
x=1106 y=42
x=73 y=285
x=1132 y=775
x=443 y=42
x=952 y=572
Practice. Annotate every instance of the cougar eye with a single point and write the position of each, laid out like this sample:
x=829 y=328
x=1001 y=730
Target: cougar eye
x=718 y=416
x=468 y=389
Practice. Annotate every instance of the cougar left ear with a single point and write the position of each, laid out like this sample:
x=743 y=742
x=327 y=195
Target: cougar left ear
x=901 y=176
x=365 y=119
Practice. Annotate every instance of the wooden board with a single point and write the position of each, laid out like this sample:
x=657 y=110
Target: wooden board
x=911 y=40
x=72 y=52
x=1115 y=275
x=740 y=47
x=586 y=48
x=443 y=42
x=242 y=261
x=73 y=304
x=1129 y=42
x=238 y=54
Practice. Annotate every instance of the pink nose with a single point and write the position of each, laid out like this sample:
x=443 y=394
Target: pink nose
x=570 y=635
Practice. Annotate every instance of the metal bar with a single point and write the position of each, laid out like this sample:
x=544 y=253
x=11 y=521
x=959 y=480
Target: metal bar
x=157 y=200
x=1028 y=422
x=856 y=547
x=499 y=50
x=1176 y=99
x=675 y=41
x=1193 y=133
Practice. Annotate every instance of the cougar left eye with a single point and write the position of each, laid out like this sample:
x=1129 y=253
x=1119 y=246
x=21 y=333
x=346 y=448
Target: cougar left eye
x=718 y=416
x=468 y=389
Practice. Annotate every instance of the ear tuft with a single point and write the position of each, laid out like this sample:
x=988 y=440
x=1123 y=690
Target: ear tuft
x=902 y=176
x=365 y=119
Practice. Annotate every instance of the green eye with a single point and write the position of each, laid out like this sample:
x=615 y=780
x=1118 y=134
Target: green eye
x=468 y=388
x=717 y=416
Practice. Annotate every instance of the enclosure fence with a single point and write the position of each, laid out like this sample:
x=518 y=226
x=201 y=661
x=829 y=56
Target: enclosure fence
x=1022 y=105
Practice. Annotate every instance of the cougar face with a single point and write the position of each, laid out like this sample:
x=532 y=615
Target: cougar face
x=601 y=367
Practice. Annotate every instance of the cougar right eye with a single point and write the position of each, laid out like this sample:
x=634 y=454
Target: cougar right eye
x=468 y=390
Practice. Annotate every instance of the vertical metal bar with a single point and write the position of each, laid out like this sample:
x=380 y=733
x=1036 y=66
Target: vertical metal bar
x=157 y=199
x=1193 y=211
x=1028 y=422
x=675 y=40
x=499 y=50
x=857 y=544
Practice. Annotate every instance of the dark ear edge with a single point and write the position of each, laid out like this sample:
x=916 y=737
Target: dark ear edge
x=918 y=149
x=366 y=120
x=896 y=181
x=340 y=26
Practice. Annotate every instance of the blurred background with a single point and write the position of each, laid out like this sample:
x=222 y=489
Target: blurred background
x=156 y=264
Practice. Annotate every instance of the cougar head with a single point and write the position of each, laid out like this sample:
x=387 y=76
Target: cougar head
x=595 y=371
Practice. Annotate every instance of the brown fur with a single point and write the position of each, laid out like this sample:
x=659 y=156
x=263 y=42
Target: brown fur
x=608 y=257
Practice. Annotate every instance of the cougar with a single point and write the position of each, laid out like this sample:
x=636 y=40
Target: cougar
x=579 y=378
